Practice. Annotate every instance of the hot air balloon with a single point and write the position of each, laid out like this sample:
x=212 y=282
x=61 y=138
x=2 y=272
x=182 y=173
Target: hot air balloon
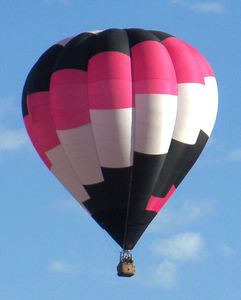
x=119 y=117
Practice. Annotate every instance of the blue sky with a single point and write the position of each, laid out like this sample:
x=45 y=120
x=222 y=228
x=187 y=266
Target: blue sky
x=49 y=247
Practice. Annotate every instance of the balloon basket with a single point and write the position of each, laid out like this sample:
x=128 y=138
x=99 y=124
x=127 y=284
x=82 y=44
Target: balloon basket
x=126 y=267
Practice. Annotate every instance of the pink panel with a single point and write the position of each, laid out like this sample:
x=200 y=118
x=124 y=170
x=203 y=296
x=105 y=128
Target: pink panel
x=204 y=66
x=109 y=81
x=39 y=124
x=30 y=129
x=41 y=120
x=184 y=61
x=110 y=94
x=153 y=71
x=69 y=99
x=109 y=65
x=156 y=203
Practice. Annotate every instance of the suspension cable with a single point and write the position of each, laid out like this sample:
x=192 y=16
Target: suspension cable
x=127 y=211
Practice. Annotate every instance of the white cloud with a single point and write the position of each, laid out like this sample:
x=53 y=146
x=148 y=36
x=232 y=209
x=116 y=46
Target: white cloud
x=61 y=2
x=69 y=205
x=183 y=247
x=60 y=266
x=12 y=139
x=226 y=250
x=222 y=154
x=181 y=2
x=187 y=213
x=235 y=155
x=66 y=205
x=208 y=7
x=201 y=7
x=165 y=275
x=8 y=106
x=174 y=252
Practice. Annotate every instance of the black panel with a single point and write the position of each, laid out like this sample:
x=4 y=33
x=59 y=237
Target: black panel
x=39 y=77
x=138 y=221
x=38 y=80
x=180 y=158
x=161 y=35
x=112 y=193
x=145 y=174
x=192 y=156
x=110 y=199
x=114 y=222
x=140 y=35
x=111 y=40
x=24 y=98
x=78 y=51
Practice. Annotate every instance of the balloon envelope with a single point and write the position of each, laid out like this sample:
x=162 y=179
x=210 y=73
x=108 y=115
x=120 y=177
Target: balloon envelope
x=120 y=117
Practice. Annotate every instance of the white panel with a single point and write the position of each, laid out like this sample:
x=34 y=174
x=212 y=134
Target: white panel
x=189 y=112
x=79 y=146
x=62 y=169
x=154 y=122
x=65 y=41
x=95 y=31
x=112 y=131
x=210 y=105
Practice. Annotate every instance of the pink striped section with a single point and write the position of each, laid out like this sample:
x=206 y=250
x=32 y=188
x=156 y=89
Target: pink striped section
x=69 y=99
x=41 y=120
x=153 y=71
x=204 y=66
x=40 y=126
x=109 y=65
x=30 y=129
x=156 y=203
x=184 y=61
x=109 y=81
